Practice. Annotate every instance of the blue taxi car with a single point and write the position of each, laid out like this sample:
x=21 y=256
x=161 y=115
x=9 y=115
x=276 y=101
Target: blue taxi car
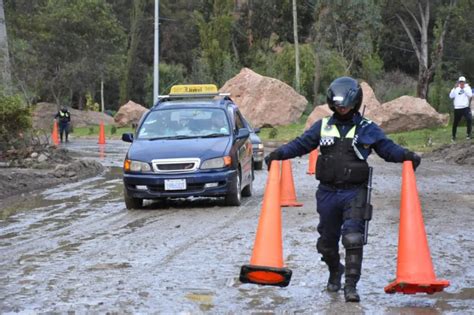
x=193 y=142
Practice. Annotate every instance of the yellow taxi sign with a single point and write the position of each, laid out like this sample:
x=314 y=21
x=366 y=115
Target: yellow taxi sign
x=194 y=89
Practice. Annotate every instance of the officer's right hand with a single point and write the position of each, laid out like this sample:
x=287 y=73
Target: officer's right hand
x=272 y=156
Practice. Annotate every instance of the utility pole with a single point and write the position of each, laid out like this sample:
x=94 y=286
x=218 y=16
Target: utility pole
x=297 y=50
x=156 y=58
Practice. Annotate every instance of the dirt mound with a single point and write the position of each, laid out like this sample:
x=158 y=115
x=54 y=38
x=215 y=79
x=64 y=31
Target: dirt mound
x=45 y=169
x=460 y=153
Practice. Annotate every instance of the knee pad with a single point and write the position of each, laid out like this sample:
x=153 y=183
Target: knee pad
x=353 y=240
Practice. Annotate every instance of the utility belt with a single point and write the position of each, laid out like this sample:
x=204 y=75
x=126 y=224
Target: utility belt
x=339 y=186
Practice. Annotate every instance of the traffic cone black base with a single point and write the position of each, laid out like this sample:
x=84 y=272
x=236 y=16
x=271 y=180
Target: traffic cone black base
x=280 y=277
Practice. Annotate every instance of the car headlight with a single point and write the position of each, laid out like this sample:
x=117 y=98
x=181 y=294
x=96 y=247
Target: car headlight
x=260 y=146
x=136 y=166
x=219 y=162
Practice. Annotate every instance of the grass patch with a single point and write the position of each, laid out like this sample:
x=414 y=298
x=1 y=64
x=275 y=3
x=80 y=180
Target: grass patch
x=423 y=140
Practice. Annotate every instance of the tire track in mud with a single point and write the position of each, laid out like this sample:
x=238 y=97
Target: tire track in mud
x=182 y=248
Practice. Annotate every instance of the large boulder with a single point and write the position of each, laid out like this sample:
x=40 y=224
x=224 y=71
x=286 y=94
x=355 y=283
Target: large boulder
x=264 y=100
x=402 y=114
x=318 y=113
x=43 y=116
x=409 y=113
x=129 y=114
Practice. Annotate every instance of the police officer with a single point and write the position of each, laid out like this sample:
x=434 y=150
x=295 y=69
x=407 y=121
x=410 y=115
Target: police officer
x=64 y=119
x=345 y=139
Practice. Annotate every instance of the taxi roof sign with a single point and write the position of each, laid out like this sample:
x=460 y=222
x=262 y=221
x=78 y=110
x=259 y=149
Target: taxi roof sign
x=194 y=89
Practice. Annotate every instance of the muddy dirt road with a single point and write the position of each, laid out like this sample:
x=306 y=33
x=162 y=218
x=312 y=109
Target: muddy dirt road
x=76 y=248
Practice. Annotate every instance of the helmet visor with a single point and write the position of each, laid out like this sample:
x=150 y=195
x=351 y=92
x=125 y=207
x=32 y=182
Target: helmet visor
x=344 y=98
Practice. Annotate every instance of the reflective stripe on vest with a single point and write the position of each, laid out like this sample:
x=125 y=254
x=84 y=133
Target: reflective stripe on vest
x=328 y=132
x=332 y=131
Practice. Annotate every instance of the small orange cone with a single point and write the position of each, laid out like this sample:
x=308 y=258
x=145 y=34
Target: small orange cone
x=414 y=266
x=266 y=265
x=55 y=133
x=101 y=133
x=313 y=159
x=287 y=186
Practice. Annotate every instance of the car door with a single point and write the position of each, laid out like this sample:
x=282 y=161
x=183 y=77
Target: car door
x=244 y=150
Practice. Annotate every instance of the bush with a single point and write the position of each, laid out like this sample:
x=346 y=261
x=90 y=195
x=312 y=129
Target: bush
x=90 y=104
x=393 y=85
x=113 y=130
x=15 y=118
x=372 y=68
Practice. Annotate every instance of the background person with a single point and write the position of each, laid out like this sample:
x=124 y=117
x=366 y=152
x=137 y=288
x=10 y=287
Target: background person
x=64 y=119
x=345 y=139
x=218 y=122
x=461 y=93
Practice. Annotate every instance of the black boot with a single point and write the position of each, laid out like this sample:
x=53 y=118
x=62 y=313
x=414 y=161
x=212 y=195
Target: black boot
x=334 y=281
x=353 y=243
x=350 y=292
x=330 y=252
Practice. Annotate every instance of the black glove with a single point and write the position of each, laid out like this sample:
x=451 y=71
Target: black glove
x=274 y=155
x=412 y=156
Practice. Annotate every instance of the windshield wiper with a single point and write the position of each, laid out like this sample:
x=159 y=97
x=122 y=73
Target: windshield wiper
x=214 y=135
x=172 y=138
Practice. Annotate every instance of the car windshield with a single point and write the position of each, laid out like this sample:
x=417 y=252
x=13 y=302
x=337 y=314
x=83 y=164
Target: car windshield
x=183 y=123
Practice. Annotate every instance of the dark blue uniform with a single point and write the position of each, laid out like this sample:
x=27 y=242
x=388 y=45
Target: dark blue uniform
x=341 y=193
x=64 y=120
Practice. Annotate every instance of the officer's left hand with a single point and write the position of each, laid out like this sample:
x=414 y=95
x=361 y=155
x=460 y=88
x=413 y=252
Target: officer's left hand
x=274 y=155
x=412 y=156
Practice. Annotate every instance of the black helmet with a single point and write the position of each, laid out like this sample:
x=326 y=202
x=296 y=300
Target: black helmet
x=64 y=109
x=344 y=92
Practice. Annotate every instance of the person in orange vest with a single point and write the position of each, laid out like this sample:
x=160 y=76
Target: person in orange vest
x=64 y=119
x=345 y=141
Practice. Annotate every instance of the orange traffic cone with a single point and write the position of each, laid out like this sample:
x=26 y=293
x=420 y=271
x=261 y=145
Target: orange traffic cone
x=55 y=133
x=101 y=133
x=414 y=267
x=313 y=159
x=287 y=186
x=266 y=264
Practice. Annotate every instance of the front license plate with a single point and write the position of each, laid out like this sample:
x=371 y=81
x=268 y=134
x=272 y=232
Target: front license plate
x=175 y=184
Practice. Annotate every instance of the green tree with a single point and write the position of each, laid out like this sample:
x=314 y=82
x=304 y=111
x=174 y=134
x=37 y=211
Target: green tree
x=70 y=45
x=215 y=33
x=418 y=19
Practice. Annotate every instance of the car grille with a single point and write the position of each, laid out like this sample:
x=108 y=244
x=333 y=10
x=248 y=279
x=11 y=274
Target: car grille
x=190 y=188
x=182 y=165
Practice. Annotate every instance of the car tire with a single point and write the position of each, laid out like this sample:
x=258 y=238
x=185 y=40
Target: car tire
x=258 y=165
x=132 y=203
x=248 y=190
x=234 y=197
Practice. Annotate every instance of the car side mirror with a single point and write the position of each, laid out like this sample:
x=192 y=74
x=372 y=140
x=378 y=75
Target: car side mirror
x=243 y=133
x=256 y=130
x=127 y=137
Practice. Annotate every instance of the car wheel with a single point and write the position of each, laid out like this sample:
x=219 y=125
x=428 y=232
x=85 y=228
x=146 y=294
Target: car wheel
x=248 y=190
x=234 y=197
x=258 y=165
x=132 y=203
